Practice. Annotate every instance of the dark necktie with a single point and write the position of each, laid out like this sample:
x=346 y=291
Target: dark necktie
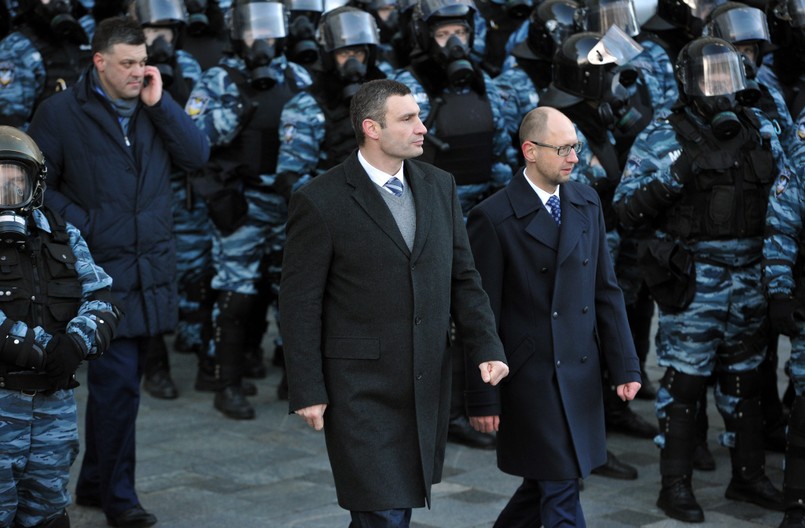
x=556 y=211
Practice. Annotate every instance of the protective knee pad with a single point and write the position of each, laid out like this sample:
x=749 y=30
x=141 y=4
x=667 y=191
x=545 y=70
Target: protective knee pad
x=794 y=479
x=685 y=388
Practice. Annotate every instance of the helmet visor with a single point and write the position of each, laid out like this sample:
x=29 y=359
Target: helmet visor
x=701 y=8
x=615 y=46
x=260 y=20
x=15 y=185
x=742 y=24
x=160 y=12
x=446 y=8
x=716 y=73
x=610 y=13
x=316 y=6
x=796 y=10
x=349 y=28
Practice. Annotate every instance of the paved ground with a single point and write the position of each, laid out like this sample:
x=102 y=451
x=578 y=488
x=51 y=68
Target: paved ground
x=198 y=469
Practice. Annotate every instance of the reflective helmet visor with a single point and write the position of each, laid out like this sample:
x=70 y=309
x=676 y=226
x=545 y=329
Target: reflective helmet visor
x=615 y=46
x=330 y=5
x=446 y=8
x=608 y=13
x=718 y=71
x=15 y=184
x=349 y=28
x=741 y=24
x=701 y=8
x=796 y=10
x=260 y=20
x=160 y=12
x=317 y=6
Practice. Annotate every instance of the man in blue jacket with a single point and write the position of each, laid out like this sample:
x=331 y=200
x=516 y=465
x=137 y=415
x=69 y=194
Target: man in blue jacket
x=110 y=142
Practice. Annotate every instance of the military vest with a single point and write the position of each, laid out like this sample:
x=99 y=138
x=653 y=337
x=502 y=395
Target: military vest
x=38 y=279
x=728 y=195
x=64 y=62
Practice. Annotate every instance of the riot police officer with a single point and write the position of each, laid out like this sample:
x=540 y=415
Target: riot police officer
x=787 y=26
x=238 y=105
x=60 y=313
x=703 y=176
x=206 y=36
x=47 y=53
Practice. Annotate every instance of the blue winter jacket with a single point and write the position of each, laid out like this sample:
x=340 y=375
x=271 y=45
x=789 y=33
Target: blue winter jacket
x=119 y=196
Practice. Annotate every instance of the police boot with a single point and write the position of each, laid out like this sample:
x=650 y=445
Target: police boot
x=256 y=328
x=195 y=316
x=676 y=465
x=794 y=476
x=229 y=339
x=60 y=521
x=639 y=314
x=158 y=382
x=749 y=481
x=619 y=416
x=774 y=420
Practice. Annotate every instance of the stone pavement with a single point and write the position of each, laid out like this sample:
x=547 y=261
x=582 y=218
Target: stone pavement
x=199 y=469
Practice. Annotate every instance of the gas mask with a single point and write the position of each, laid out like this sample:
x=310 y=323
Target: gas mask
x=198 y=22
x=162 y=55
x=351 y=74
x=258 y=58
x=302 y=46
x=614 y=109
x=58 y=13
x=719 y=110
x=16 y=194
x=454 y=57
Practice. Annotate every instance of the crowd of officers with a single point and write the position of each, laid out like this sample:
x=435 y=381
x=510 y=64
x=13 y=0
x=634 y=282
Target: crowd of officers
x=692 y=122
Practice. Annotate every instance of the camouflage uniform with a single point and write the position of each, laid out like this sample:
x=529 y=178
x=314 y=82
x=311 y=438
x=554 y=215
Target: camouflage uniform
x=38 y=430
x=504 y=155
x=23 y=75
x=713 y=318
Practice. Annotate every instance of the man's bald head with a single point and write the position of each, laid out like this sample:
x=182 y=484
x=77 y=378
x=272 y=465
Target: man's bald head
x=538 y=120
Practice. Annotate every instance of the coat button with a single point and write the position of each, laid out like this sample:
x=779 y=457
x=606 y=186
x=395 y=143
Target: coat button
x=586 y=261
x=544 y=270
x=555 y=315
x=558 y=364
x=417 y=320
x=419 y=376
x=585 y=309
x=584 y=359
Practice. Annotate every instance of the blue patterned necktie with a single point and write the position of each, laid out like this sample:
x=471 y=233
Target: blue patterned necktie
x=394 y=185
x=556 y=211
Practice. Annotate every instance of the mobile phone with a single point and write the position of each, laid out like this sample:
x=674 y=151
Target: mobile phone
x=146 y=80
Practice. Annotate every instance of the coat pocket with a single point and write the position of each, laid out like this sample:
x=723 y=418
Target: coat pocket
x=352 y=348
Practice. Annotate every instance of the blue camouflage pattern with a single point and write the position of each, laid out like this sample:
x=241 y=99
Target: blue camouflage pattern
x=39 y=432
x=23 y=75
x=503 y=154
x=302 y=134
x=729 y=304
x=657 y=73
x=784 y=221
x=518 y=96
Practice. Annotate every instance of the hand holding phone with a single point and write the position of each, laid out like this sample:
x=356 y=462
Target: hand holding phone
x=151 y=92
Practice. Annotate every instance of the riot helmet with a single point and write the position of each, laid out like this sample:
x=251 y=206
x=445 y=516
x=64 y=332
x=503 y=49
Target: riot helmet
x=710 y=74
x=303 y=18
x=386 y=15
x=686 y=15
x=22 y=182
x=444 y=31
x=598 y=16
x=197 y=20
x=257 y=29
x=743 y=26
x=59 y=16
x=787 y=24
x=163 y=22
x=349 y=39
x=550 y=24
x=516 y=9
x=580 y=74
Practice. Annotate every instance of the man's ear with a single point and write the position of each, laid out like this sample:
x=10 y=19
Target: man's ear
x=529 y=152
x=98 y=61
x=371 y=128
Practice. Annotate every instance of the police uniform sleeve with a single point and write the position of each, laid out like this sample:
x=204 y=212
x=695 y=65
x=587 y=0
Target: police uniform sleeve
x=22 y=79
x=215 y=106
x=301 y=136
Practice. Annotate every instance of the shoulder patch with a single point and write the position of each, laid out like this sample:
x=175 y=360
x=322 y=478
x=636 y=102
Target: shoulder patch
x=801 y=130
x=781 y=184
x=6 y=73
x=288 y=133
x=197 y=104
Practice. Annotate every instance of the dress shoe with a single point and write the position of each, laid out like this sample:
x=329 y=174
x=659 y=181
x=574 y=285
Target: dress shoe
x=794 y=518
x=758 y=491
x=231 y=401
x=207 y=382
x=133 y=518
x=87 y=501
x=677 y=501
x=647 y=390
x=703 y=459
x=626 y=421
x=461 y=432
x=160 y=385
x=616 y=469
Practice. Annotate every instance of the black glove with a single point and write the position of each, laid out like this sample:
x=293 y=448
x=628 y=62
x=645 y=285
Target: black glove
x=62 y=357
x=783 y=314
